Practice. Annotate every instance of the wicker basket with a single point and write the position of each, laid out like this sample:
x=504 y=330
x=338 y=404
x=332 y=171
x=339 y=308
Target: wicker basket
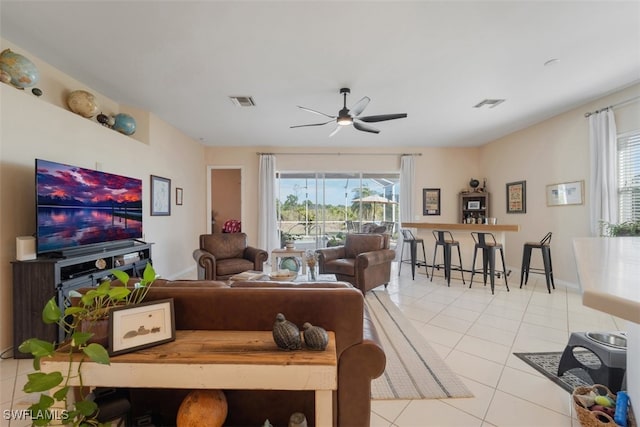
x=596 y=418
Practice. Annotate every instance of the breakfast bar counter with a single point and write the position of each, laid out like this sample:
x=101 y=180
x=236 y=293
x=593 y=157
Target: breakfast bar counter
x=462 y=233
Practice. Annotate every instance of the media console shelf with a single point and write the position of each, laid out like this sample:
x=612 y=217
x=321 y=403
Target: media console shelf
x=35 y=282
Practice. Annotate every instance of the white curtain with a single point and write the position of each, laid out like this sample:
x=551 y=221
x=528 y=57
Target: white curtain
x=407 y=179
x=603 y=189
x=267 y=218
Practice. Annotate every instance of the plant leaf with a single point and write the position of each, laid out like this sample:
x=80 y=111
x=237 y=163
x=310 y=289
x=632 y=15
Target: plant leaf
x=149 y=274
x=61 y=393
x=97 y=353
x=80 y=338
x=73 y=310
x=51 y=313
x=39 y=381
x=121 y=275
x=119 y=293
x=86 y=407
x=37 y=347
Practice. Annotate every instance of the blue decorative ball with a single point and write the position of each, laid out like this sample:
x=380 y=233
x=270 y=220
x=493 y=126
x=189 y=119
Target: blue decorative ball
x=290 y=263
x=22 y=71
x=124 y=123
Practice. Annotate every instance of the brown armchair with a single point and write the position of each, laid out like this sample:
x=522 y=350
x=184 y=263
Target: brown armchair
x=222 y=255
x=364 y=260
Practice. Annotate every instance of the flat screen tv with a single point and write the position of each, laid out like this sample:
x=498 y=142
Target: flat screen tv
x=78 y=207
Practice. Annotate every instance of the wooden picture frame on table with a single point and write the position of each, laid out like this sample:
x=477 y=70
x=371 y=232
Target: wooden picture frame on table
x=430 y=201
x=138 y=326
x=160 y=196
x=517 y=197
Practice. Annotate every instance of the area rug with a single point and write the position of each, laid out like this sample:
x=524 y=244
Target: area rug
x=547 y=364
x=414 y=370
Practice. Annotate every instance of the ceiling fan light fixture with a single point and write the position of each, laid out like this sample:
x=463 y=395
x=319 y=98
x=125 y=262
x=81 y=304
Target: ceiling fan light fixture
x=344 y=120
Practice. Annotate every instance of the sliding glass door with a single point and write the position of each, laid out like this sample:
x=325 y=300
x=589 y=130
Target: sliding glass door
x=317 y=209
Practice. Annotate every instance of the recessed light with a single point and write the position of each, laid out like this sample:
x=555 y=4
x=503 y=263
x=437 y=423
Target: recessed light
x=552 y=61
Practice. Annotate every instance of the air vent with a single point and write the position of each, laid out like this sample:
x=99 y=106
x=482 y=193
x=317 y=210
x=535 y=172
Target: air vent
x=489 y=103
x=242 y=101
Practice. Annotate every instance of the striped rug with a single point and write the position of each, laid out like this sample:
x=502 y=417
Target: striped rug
x=414 y=370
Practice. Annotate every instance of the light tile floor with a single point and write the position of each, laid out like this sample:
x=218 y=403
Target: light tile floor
x=476 y=333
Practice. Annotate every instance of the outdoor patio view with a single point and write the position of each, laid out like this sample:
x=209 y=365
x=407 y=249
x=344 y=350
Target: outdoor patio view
x=316 y=210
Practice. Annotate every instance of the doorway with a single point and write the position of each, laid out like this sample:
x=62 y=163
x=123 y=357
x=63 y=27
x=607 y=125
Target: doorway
x=225 y=196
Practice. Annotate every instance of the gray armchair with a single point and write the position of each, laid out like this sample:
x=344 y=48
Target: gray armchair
x=222 y=255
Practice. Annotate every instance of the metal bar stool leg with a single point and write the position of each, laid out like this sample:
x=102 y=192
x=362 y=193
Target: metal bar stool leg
x=414 y=247
x=546 y=259
x=524 y=270
x=504 y=269
x=461 y=269
x=433 y=263
x=473 y=265
x=424 y=257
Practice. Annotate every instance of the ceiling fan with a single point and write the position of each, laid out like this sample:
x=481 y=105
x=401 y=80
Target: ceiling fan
x=348 y=117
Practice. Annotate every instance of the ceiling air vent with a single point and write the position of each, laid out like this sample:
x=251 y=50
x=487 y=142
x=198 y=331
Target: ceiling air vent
x=242 y=101
x=489 y=103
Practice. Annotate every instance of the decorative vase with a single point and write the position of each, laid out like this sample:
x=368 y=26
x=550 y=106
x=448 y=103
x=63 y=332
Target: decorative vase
x=286 y=334
x=311 y=272
x=124 y=123
x=315 y=337
x=22 y=71
x=82 y=103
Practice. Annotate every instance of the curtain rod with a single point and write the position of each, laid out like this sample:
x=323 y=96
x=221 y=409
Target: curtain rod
x=619 y=104
x=342 y=154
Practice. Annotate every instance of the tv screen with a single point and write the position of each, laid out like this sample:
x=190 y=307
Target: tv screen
x=78 y=207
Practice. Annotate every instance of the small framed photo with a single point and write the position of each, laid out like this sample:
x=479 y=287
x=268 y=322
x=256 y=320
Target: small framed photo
x=473 y=204
x=178 y=196
x=566 y=193
x=160 y=196
x=431 y=201
x=517 y=197
x=140 y=326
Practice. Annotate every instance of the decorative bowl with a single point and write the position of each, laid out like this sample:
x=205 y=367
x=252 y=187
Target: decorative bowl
x=283 y=275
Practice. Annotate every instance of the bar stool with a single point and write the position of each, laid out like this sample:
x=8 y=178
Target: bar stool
x=545 y=246
x=445 y=240
x=408 y=237
x=487 y=242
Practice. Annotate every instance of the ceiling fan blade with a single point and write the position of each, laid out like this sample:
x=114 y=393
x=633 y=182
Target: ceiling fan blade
x=316 y=112
x=312 y=124
x=359 y=106
x=365 y=128
x=336 y=130
x=382 y=117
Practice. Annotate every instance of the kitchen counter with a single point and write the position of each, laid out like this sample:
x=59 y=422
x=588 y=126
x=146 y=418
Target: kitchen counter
x=458 y=226
x=609 y=274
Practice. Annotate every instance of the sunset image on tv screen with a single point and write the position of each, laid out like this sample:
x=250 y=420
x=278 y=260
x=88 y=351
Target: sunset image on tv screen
x=78 y=206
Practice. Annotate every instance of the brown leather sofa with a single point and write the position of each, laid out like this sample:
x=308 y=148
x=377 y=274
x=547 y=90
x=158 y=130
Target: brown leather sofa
x=364 y=260
x=222 y=255
x=253 y=305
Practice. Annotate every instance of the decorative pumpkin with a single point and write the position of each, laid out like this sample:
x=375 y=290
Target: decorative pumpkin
x=203 y=408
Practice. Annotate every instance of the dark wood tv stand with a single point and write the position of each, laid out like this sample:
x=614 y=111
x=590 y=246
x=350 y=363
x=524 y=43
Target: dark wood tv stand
x=37 y=281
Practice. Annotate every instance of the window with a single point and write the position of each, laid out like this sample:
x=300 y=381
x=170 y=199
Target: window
x=629 y=176
x=317 y=209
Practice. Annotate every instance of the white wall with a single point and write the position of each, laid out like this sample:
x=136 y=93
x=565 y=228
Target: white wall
x=37 y=128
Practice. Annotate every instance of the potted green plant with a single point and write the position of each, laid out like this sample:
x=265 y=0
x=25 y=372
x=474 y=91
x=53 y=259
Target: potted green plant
x=627 y=228
x=78 y=321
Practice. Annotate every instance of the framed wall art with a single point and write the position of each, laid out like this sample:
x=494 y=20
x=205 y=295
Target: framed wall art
x=134 y=327
x=566 y=193
x=178 y=196
x=430 y=201
x=473 y=204
x=160 y=196
x=517 y=197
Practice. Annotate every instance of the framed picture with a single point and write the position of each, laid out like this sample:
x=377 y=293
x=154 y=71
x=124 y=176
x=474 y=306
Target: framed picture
x=140 y=326
x=473 y=204
x=430 y=201
x=566 y=193
x=517 y=197
x=178 y=196
x=160 y=196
